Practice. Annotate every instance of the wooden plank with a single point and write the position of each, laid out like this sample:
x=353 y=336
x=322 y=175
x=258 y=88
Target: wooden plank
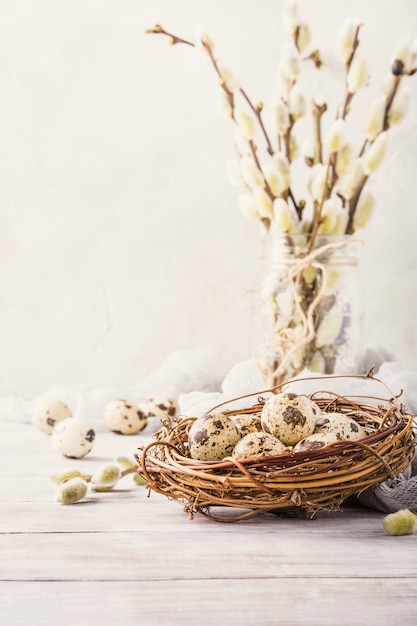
x=299 y=602
x=134 y=512
x=123 y=558
x=164 y=555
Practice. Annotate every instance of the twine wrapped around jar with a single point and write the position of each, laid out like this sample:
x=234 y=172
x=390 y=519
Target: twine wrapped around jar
x=308 y=314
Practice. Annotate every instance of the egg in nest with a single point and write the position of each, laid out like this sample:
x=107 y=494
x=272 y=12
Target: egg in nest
x=212 y=437
x=343 y=426
x=248 y=423
x=257 y=444
x=316 y=441
x=289 y=417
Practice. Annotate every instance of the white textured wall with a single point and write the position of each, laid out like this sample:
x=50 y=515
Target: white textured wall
x=120 y=240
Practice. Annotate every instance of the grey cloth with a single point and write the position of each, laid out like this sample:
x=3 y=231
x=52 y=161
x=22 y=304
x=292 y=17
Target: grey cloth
x=395 y=494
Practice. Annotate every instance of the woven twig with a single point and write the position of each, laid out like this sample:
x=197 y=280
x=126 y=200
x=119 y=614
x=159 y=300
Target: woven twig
x=290 y=483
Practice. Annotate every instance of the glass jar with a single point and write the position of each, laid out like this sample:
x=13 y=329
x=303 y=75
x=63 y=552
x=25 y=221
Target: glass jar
x=308 y=313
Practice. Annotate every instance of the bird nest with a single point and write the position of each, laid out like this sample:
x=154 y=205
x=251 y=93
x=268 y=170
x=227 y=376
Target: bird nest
x=290 y=483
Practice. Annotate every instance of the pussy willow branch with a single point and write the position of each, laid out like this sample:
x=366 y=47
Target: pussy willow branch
x=317 y=216
x=158 y=30
x=257 y=110
x=318 y=111
x=349 y=96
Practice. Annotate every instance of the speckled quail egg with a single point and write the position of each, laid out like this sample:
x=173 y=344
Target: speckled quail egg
x=48 y=412
x=124 y=417
x=248 y=423
x=73 y=437
x=212 y=437
x=158 y=406
x=343 y=426
x=257 y=444
x=316 y=441
x=289 y=417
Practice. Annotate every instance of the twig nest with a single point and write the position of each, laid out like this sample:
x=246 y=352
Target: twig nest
x=257 y=444
x=158 y=406
x=212 y=437
x=124 y=417
x=49 y=412
x=247 y=423
x=316 y=441
x=343 y=426
x=289 y=417
x=73 y=437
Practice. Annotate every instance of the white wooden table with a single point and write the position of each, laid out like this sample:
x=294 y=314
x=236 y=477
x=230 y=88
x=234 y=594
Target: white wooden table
x=121 y=558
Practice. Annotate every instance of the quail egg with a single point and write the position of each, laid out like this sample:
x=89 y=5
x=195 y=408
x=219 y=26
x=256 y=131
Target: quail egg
x=257 y=444
x=124 y=417
x=158 y=406
x=48 y=412
x=341 y=425
x=73 y=437
x=212 y=437
x=289 y=417
x=248 y=423
x=316 y=441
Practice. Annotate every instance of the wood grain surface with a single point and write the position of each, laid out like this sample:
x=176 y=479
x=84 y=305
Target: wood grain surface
x=123 y=558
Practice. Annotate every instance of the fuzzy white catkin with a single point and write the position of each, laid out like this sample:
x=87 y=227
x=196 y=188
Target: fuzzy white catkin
x=246 y=125
x=413 y=61
x=357 y=75
x=284 y=83
x=71 y=491
x=263 y=202
x=223 y=106
x=203 y=42
x=319 y=100
x=290 y=63
x=290 y=16
x=303 y=37
x=250 y=172
x=375 y=154
x=274 y=179
x=106 y=477
x=388 y=84
x=328 y=215
x=364 y=210
x=281 y=163
x=281 y=118
x=294 y=149
x=341 y=222
x=335 y=135
x=228 y=78
x=308 y=150
x=399 y=105
x=318 y=182
x=352 y=179
x=403 y=53
x=374 y=123
x=345 y=40
x=296 y=103
x=344 y=159
x=284 y=216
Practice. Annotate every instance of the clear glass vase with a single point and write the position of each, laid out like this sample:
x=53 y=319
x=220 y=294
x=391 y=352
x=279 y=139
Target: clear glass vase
x=308 y=313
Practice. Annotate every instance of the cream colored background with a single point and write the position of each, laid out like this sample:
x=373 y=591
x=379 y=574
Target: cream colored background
x=120 y=240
